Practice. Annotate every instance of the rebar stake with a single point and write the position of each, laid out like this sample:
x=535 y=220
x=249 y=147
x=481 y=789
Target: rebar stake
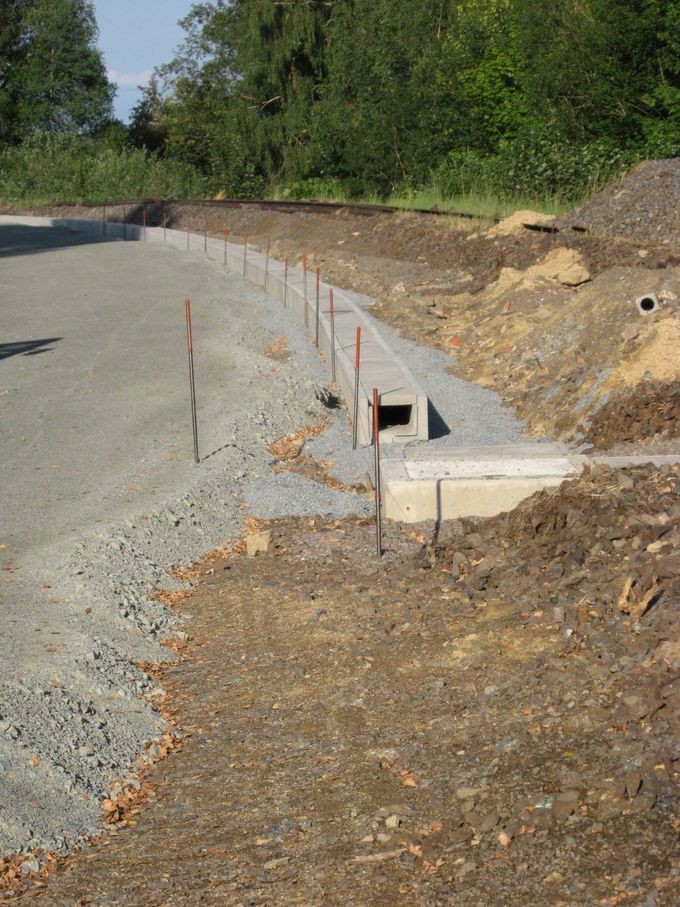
x=245 y=253
x=332 y=315
x=318 y=296
x=304 y=282
x=226 y=250
x=192 y=383
x=376 y=450
x=266 y=265
x=357 y=366
x=285 y=282
x=205 y=234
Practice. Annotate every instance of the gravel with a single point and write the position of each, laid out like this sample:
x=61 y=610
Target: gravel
x=78 y=617
x=644 y=206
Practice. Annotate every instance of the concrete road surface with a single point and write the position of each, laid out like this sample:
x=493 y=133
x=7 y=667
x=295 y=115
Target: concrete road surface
x=93 y=378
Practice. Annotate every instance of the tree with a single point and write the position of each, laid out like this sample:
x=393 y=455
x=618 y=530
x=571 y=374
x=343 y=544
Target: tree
x=12 y=56
x=147 y=129
x=60 y=83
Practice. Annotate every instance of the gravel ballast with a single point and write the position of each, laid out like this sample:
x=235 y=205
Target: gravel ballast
x=100 y=419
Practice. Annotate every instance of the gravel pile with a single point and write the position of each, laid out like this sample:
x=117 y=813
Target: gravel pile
x=649 y=410
x=600 y=558
x=644 y=206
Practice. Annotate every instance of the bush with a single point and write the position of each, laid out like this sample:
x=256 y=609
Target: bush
x=71 y=168
x=327 y=189
x=542 y=166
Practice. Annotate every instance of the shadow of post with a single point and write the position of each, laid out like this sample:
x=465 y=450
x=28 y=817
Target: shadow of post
x=27 y=347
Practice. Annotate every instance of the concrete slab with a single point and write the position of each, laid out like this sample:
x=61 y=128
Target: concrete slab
x=403 y=405
x=453 y=483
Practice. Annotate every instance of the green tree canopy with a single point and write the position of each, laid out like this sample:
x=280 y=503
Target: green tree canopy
x=52 y=75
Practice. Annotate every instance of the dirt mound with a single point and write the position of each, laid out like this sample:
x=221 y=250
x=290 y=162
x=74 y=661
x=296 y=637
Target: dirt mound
x=516 y=223
x=643 y=206
x=649 y=410
x=585 y=538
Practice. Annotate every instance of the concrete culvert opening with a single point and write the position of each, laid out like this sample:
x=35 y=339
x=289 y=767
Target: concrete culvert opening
x=394 y=416
x=647 y=304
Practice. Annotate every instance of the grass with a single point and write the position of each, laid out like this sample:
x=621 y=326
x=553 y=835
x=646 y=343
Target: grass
x=483 y=205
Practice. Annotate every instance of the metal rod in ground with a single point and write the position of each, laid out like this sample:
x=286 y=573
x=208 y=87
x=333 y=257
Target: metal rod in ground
x=205 y=234
x=318 y=286
x=165 y=227
x=266 y=266
x=144 y=223
x=104 y=221
x=226 y=250
x=124 y=222
x=285 y=281
x=245 y=253
x=376 y=450
x=357 y=367
x=332 y=314
x=304 y=278
x=187 y=240
x=192 y=383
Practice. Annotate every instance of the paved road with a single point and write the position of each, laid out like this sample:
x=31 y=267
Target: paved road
x=93 y=378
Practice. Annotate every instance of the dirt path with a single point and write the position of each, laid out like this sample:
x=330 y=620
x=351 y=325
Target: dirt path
x=375 y=734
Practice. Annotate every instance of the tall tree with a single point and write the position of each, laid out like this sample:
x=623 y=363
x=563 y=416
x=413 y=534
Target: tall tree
x=61 y=83
x=12 y=56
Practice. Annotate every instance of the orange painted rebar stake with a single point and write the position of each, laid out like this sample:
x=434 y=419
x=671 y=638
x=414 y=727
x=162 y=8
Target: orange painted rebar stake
x=318 y=296
x=376 y=448
x=285 y=281
x=266 y=266
x=245 y=253
x=357 y=366
x=192 y=383
x=332 y=315
x=304 y=279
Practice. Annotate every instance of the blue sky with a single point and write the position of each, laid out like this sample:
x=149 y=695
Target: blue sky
x=135 y=36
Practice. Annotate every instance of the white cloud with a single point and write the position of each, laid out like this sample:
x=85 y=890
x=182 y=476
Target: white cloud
x=129 y=79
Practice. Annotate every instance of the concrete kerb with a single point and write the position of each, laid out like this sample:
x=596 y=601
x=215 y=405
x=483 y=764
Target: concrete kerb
x=451 y=483
x=403 y=408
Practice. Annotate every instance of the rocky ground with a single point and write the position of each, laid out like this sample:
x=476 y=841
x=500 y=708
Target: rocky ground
x=486 y=717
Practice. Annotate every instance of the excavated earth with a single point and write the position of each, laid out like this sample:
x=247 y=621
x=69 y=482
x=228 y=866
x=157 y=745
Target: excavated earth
x=490 y=713
x=486 y=717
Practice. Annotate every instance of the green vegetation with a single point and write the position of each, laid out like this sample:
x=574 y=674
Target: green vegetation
x=460 y=99
x=470 y=104
x=75 y=168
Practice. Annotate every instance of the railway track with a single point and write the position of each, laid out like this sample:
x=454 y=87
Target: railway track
x=307 y=207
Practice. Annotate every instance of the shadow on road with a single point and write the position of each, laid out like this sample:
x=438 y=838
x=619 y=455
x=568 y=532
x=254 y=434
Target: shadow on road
x=27 y=347
x=20 y=239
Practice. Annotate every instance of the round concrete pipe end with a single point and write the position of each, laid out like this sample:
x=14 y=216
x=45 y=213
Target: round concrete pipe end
x=647 y=304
